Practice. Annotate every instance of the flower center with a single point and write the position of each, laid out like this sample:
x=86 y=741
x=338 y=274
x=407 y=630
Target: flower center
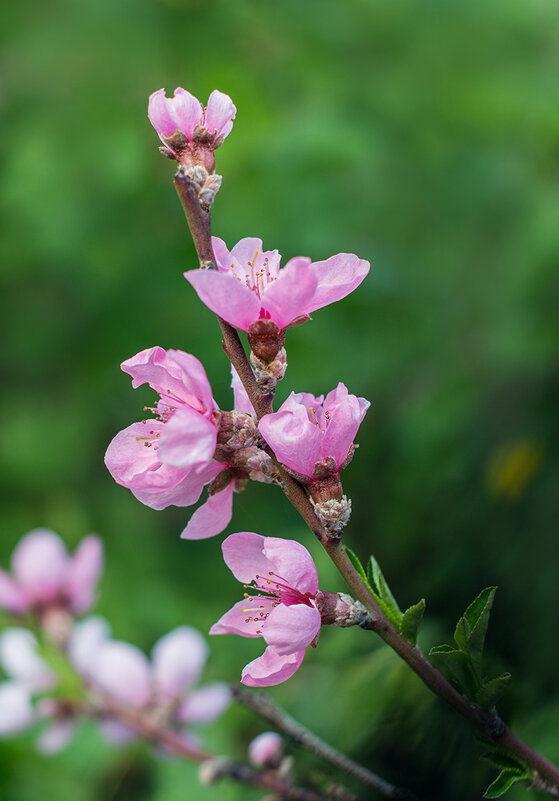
x=261 y=273
x=274 y=590
x=320 y=417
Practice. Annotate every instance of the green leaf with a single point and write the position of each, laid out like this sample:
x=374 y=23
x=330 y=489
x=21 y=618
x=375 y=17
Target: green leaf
x=379 y=583
x=471 y=629
x=490 y=691
x=503 y=782
x=458 y=664
x=411 y=619
x=505 y=761
x=354 y=559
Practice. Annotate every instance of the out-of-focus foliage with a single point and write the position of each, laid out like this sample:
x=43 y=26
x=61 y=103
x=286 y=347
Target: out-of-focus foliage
x=422 y=136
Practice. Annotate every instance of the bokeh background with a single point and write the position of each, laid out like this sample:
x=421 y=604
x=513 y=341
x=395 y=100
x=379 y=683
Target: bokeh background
x=421 y=136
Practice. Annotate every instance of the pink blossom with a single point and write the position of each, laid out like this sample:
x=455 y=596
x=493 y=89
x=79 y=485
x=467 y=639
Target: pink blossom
x=250 y=285
x=281 y=605
x=168 y=460
x=44 y=574
x=266 y=749
x=162 y=686
x=184 y=125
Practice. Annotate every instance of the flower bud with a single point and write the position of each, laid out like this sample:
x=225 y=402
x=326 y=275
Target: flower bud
x=266 y=750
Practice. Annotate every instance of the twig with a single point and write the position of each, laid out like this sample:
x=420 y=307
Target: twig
x=263 y=705
x=488 y=723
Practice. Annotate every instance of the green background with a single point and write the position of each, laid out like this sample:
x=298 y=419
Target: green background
x=423 y=136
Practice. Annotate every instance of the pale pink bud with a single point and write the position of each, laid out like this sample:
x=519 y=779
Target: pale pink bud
x=266 y=749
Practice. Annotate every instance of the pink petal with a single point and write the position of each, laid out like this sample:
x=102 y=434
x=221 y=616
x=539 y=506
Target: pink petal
x=159 y=114
x=12 y=598
x=212 y=517
x=336 y=278
x=240 y=619
x=291 y=628
x=16 y=710
x=271 y=668
x=188 y=440
x=178 y=659
x=85 y=569
x=86 y=639
x=40 y=563
x=241 y=399
x=226 y=296
x=246 y=249
x=219 y=113
x=123 y=672
x=293 y=563
x=245 y=556
x=346 y=413
x=177 y=376
x=305 y=399
x=186 y=111
x=265 y=747
x=139 y=469
x=295 y=440
x=21 y=661
x=116 y=733
x=222 y=255
x=206 y=704
x=290 y=295
x=56 y=736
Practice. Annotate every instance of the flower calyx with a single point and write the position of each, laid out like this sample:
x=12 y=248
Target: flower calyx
x=340 y=609
x=266 y=339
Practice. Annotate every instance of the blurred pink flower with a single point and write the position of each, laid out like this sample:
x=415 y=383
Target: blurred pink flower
x=162 y=687
x=306 y=430
x=281 y=605
x=249 y=284
x=185 y=126
x=168 y=460
x=266 y=749
x=45 y=575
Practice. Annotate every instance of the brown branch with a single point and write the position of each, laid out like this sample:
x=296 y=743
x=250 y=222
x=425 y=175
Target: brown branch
x=486 y=722
x=263 y=705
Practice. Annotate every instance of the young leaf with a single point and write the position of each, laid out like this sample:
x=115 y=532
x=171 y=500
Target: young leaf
x=504 y=782
x=458 y=665
x=505 y=761
x=354 y=559
x=411 y=619
x=378 y=582
x=490 y=691
x=471 y=629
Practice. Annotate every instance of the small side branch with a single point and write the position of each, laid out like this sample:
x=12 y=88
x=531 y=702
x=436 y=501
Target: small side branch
x=266 y=708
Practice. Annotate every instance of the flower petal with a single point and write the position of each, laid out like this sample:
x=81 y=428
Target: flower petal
x=85 y=641
x=290 y=295
x=178 y=659
x=245 y=556
x=212 y=517
x=85 y=568
x=271 y=668
x=336 y=278
x=178 y=377
x=226 y=296
x=56 y=736
x=240 y=619
x=206 y=704
x=345 y=415
x=264 y=747
x=291 y=628
x=159 y=114
x=293 y=563
x=123 y=672
x=40 y=563
x=16 y=709
x=219 y=113
x=21 y=661
x=241 y=400
x=188 y=440
x=12 y=597
x=186 y=111
x=294 y=438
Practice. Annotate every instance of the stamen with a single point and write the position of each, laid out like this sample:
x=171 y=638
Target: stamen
x=313 y=415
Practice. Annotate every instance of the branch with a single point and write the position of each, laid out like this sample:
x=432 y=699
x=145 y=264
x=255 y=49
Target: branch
x=263 y=705
x=488 y=723
x=214 y=767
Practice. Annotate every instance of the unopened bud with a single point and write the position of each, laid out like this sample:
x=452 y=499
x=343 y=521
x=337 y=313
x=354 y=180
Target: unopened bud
x=333 y=514
x=214 y=769
x=268 y=374
x=340 y=609
x=237 y=430
x=266 y=750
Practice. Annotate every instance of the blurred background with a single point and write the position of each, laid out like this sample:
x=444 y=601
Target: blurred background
x=425 y=138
